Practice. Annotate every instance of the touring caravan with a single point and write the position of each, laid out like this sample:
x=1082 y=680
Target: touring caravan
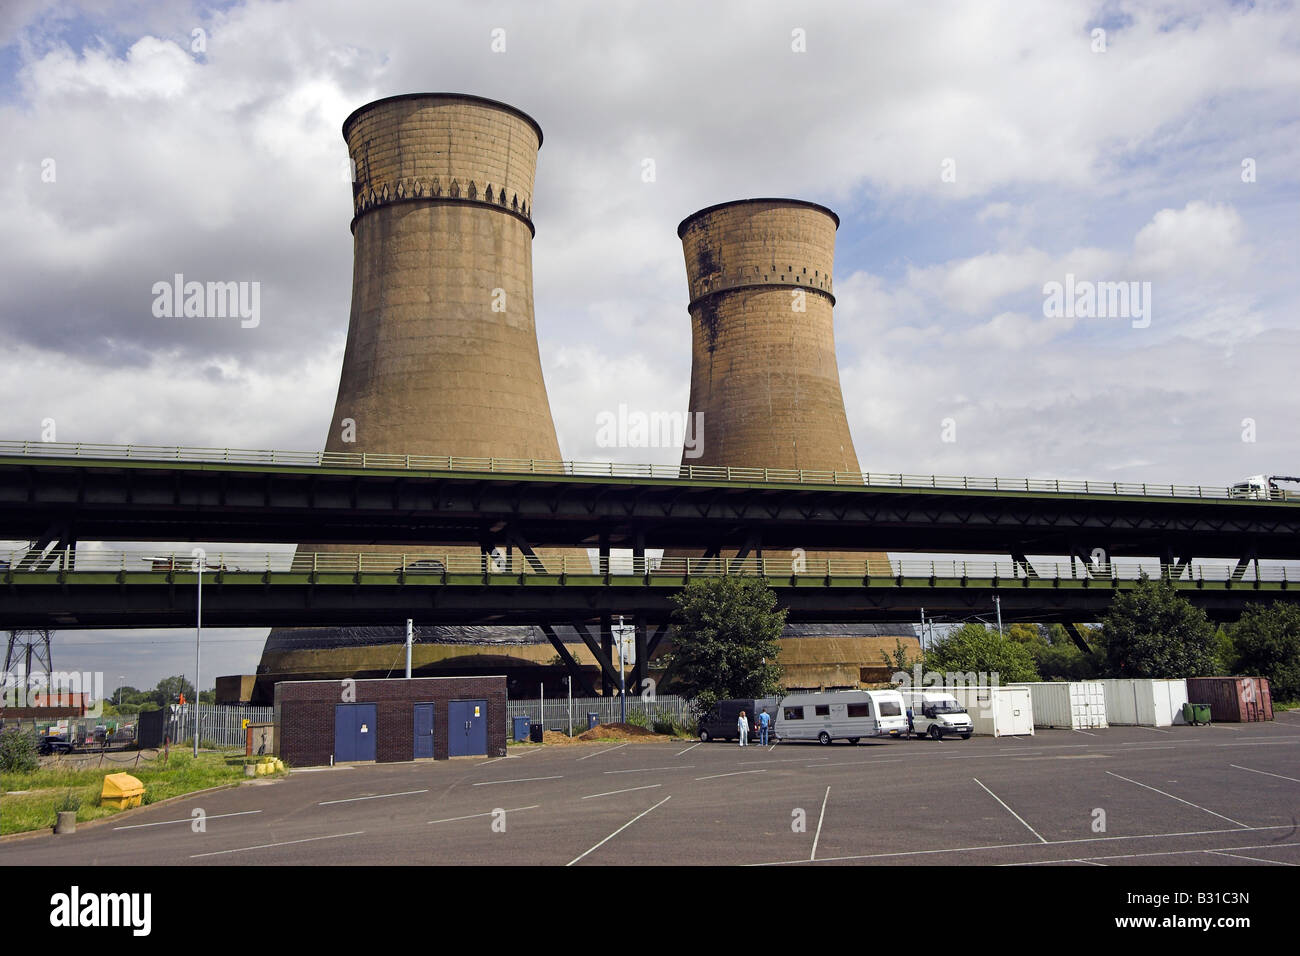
x=841 y=715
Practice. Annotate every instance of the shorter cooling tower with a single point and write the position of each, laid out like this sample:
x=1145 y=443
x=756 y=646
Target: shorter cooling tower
x=763 y=368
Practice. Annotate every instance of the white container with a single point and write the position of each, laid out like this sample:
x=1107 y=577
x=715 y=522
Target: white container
x=1072 y=705
x=1145 y=702
x=996 y=711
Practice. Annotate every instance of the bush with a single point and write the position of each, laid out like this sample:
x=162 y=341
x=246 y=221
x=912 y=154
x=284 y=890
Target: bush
x=19 y=752
x=70 y=803
x=638 y=718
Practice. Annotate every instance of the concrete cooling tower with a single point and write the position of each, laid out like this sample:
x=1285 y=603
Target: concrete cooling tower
x=442 y=355
x=763 y=369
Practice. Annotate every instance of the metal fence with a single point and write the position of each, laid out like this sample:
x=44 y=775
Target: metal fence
x=607 y=709
x=605 y=469
x=219 y=725
x=429 y=567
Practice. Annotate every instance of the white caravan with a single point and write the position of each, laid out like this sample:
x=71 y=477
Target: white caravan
x=841 y=715
x=937 y=714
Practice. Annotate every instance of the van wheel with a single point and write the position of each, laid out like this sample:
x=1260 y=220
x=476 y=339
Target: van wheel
x=704 y=736
x=965 y=736
x=824 y=737
x=934 y=732
x=854 y=740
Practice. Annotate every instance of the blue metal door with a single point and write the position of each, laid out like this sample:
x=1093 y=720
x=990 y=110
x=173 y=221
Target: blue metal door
x=467 y=728
x=423 y=730
x=354 y=732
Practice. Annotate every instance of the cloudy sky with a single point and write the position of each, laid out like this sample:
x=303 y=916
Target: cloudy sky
x=974 y=152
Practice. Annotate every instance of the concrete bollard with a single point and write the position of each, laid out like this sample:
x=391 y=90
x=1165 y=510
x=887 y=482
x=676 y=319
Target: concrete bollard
x=66 y=822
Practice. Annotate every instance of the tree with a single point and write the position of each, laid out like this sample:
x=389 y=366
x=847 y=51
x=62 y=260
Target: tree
x=169 y=690
x=1267 y=643
x=725 y=631
x=902 y=659
x=1153 y=631
x=974 y=647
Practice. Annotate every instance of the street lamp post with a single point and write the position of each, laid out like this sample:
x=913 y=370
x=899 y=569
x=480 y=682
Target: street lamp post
x=200 y=557
x=121 y=678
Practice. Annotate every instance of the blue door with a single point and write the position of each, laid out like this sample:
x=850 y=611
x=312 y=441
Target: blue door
x=354 y=732
x=423 y=730
x=467 y=728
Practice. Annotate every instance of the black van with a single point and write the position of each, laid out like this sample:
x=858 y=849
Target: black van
x=722 y=722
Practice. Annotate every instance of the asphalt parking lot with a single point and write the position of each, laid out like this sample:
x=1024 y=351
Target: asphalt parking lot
x=1223 y=795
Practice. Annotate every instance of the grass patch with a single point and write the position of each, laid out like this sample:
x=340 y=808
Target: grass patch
x=57 y=783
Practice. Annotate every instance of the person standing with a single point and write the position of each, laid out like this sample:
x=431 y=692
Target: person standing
x=742 y=724
x=763 y=720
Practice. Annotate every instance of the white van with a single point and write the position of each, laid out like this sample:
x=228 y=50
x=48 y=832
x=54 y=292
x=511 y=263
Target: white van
x=937 y=714
x=841 y=715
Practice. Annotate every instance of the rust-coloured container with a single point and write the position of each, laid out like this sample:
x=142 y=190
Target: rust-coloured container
x=1232 y=699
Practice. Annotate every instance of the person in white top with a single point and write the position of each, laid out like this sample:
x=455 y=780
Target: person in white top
x=742 y=724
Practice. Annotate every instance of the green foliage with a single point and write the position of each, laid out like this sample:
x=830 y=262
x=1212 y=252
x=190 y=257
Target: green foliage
x=70 y=803
x=1225 y=652
x=725 y=633
x=19 y=751
x=638 y=718
x=1066 y=662
x=1029 y=636
x=1267 y=644
x=974 y=647
x=902 y=659
x=1153 y=631
x=169 y=690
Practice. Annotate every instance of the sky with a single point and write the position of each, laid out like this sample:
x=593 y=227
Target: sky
x=975 y=153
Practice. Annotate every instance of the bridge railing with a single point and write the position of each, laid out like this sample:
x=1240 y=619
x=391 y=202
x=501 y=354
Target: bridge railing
x=432 y=566
x=605 y=469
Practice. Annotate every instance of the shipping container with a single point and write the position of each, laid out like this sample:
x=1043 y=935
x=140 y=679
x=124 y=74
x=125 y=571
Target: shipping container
x=996 y=711
x=1073 y=705
x=1232 y=699
x=1143 y=702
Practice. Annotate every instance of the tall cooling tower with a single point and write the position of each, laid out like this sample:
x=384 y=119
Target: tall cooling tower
x=442 y=355
x=763 y=369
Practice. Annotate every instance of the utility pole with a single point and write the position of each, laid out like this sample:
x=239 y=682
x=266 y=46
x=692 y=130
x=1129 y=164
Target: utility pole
x=121 y=678
x=410 y=633
x=997 y=602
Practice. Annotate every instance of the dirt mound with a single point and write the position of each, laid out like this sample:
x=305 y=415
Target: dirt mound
x=617 y=731
x=555 y=737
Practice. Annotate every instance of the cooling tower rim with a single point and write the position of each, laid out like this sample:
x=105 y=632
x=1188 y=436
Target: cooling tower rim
x=469 y=97
x=681 y=227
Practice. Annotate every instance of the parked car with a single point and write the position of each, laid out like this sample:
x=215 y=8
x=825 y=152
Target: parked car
x=723 y=721
x=55 y=744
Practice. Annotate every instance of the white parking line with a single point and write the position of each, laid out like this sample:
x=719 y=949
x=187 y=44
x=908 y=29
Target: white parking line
x=1018 y=846
x=1253 y=859
x=210 y=816
x=1078 y=731
x=1181 y=800
x=267 y=846
x=691 y=747
x=822 y=816
x=378 y=796
x=472 y=816
x=1266 y=773
x=610 y=793
x=492 y=783
x=1137 y=856
x=619 y=830
x=1041 y=838
x=680 y=766
x=1155 y=730
x=605 y=751
x=736 y=773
